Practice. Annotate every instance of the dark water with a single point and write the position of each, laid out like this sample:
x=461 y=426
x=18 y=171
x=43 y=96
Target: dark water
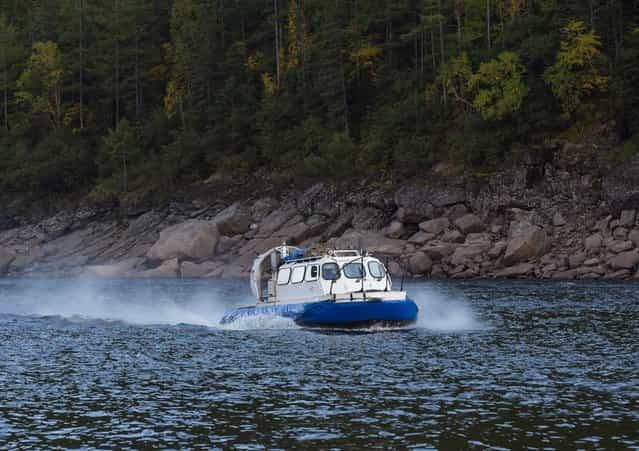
x=141 y=365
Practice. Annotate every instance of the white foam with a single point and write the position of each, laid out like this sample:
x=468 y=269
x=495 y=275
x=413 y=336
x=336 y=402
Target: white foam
x=439 y=311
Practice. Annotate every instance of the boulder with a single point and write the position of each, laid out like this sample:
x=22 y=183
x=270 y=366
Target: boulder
x=227 y=243
x=195 y=270
x=497 y=249
x=530 y=242
x=421 y=238
x=593 y=242
x=469 y=224
x=634 y=237
x=420 y=263
x=170 y=268
x=435 y=226
x=262 y=207
x=413 y=204
x=627 y=218
x=233 y=220
x=453 y=236
x=395 y=229
x=190 y=240
x=274 y=221
x=339 y=225
x=620 y=233
x=368 y=218
x=438 y=250
x=519 y=270
x=456 y=211
x=624 y=260
x=592 y=262
x=620 y=246
x=6 y=257
x=120 y=269
x=409 y=215
x=558 y=220
x=466 y=253
x=577 y=259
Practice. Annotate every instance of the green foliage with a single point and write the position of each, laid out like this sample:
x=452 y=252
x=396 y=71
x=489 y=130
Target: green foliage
x=500 y=86
x=40 y=85
x=574 y=77
x=127 y=97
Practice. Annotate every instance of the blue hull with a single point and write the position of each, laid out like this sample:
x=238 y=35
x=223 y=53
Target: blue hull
x=356 y=314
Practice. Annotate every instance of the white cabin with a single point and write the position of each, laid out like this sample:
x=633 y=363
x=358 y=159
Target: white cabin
x=339 y=275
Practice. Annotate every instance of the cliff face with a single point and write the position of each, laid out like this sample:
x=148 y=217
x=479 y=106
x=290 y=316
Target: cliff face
x=557 y=216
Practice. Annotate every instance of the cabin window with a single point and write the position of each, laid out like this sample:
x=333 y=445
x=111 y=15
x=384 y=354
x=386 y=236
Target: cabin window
x=376 y=269
x=283 y=276
x=312 y=273
x=354 y=270
x=298 y=274
x=330 y=271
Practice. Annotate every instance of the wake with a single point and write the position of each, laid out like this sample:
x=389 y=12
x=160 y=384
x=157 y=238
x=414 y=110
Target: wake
x=170 y=302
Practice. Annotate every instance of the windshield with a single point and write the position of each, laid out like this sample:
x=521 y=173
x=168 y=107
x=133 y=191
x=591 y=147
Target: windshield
x=354 y=270
x=376 y=269
x=330 y=271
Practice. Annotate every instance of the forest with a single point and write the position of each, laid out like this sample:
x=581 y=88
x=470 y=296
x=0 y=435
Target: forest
x=110 y=100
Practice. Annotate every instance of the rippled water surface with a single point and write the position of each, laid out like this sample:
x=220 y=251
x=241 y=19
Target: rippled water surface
x=141 y=364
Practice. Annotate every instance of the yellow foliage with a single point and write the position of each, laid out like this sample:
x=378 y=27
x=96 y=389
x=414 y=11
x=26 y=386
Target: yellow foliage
x=365 y=56
x=270 y=86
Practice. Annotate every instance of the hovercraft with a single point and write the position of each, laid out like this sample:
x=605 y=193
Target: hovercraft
x=340 y=289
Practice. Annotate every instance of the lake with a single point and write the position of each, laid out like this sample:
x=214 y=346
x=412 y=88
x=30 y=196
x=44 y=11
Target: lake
x=143 y=364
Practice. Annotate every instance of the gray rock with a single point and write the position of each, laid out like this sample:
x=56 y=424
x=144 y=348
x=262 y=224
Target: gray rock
x=190 y=240
x=168 y=269
x=603 y=225
x=620 y=233
x=529 y=243
x=262 y=207
x=438 y=250
x=593 y=242
x=558 y=220
x=620 y=246
x=497 y=250
x=421 y=238
x=435 y=226
x=340 y=225
x=627 y=218
x=409 y=215
x=519 y=270
x=274 y=221
x=469 y=224
x=592 y=262
x=225 y=243
x=420 y=263
x=124 y=268
x=6 y=257
x=577 y=259
x=625 y=260
x=395 y=229
x=368 y=218
x=453 y=236
x=456 y=211
x=195 y=270
x=633 y=236
x=466 y=253
x=233 y=220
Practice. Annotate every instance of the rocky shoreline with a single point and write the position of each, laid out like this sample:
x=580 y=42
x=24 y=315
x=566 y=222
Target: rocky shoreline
x=552 y=218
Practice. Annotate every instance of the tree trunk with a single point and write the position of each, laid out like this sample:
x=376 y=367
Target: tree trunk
x=277 y=42
x=441 y=46
x=6 y=88
x=488 y=37
x=459 y=24
x=432 y=48
x=81 y=64
x=117 y=63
